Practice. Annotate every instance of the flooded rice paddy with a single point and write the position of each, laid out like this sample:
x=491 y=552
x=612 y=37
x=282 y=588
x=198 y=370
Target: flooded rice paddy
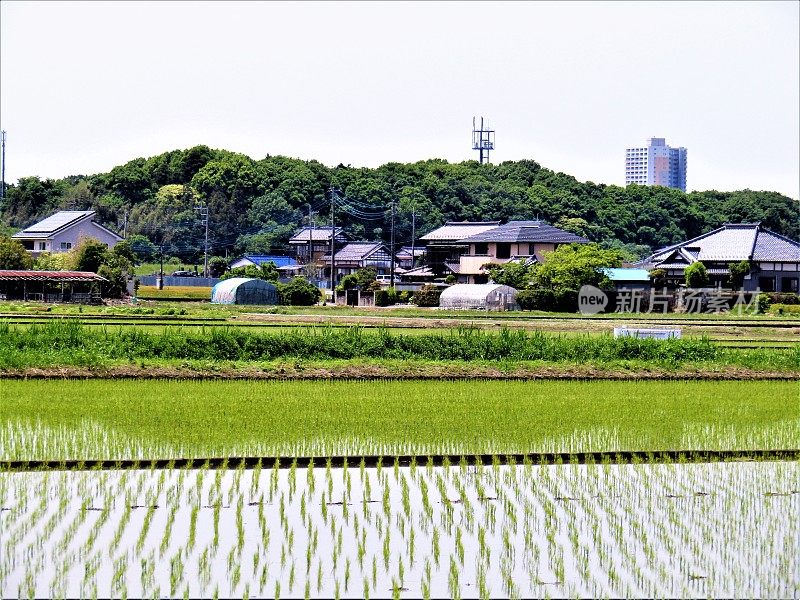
x=645 y=530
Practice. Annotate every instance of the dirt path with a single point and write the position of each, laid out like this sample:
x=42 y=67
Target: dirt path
x=409 y=371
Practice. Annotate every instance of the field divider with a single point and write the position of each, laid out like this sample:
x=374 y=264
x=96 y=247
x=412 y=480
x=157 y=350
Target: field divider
x=472 y=460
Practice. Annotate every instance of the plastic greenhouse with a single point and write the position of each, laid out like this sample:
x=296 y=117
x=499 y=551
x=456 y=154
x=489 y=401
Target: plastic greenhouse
x=488 y=296
x=243 y=290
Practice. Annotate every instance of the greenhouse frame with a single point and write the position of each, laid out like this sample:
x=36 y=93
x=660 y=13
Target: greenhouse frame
x=486 y=296
x=244 y=290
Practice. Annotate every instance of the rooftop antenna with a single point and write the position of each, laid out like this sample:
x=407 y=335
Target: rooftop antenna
x=482 y=140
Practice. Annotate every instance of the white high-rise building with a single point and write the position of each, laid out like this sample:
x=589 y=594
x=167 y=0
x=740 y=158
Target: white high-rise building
x=656 y=164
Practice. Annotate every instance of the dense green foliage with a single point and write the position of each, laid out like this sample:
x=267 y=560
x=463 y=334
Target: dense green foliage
x=255 y=205
x=738 y=272
x=696 y=275
x=83 y=343
x=13 y=255
x=266 y=271
x=565 y=269
x=298 y=292
x=267 y=418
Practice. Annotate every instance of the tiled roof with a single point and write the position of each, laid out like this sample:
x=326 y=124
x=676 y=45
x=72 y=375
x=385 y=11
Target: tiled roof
x=356 y=251
x=321 y=234
x=774 y=247
x=732 y=242
x=456 y=230
x=526 y=231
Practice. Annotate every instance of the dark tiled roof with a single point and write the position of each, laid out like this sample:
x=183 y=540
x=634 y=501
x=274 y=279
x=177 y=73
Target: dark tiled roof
x=526 y=231
x=357 y=251
x=320 y=234
x=732 y=242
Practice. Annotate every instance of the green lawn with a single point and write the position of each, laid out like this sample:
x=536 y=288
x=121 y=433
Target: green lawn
x=110 y=419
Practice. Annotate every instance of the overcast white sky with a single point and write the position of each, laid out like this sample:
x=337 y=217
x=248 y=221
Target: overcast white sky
x=86 y=86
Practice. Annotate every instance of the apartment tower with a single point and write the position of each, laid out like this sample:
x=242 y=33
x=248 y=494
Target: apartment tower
x=656 y=164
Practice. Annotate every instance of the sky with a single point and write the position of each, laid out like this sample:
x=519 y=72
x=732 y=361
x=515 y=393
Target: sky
x=87 y=86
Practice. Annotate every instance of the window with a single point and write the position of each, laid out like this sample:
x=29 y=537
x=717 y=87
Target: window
x=482 y=248
x=66 y=245
x=41 y=245
x=503 y=250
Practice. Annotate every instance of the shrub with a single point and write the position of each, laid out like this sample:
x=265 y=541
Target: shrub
x=738 y=271
x=427 y=295
x=298 y=292
x=381 y=298
x=696 y=275
x=784 y=298
x=785 y=309
x=549 y=300
x=762 y=303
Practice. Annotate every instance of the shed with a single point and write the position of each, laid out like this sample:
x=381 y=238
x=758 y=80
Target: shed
x=244 y=290
x=488 y=296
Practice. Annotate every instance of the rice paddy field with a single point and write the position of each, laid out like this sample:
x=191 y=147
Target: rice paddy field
x=162 y=419
x=600 y=530
x=300 y=507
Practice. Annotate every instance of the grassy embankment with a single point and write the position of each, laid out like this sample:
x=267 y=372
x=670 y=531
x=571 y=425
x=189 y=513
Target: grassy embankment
x=106 y=419
x=65 y=343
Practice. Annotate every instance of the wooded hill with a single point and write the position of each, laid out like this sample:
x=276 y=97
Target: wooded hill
x=255 y=205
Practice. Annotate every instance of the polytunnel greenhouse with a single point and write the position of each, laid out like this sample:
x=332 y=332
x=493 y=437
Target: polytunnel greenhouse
x=243 y=290
x=488 y=296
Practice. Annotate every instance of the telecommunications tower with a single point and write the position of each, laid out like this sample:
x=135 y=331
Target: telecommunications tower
x=482 y=140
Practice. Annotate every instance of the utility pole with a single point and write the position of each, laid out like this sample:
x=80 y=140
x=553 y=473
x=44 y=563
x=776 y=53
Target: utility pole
x=333 y=243
x=391 y=271
x=413 y=233
x=160 y=285
x=3 y=186
x=204 y=215
x=125 y=225
x=310 y=238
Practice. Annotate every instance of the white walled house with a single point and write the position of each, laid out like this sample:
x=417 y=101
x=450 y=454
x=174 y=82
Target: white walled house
x=61 y=231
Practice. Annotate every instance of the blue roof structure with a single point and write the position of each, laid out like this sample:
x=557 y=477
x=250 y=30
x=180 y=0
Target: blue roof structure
x=621 y=274
x=260 y=259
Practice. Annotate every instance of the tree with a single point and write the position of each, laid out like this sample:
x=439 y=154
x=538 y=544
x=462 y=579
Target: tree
x=217 y=266
x=88 y=255
x=361 y=279
x=13 y=255
x=298 y=292
x=738 y=272
x=571 y=266
x=515 y=274
x=143 y=249
x=696 y=275
x=266 y=271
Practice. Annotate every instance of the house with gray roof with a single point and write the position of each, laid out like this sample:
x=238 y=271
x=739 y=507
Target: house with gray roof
x=317 y=240
x=774 y=259
x=61 y=231
x=443 y=248
x=516 y=240
x=360 y=255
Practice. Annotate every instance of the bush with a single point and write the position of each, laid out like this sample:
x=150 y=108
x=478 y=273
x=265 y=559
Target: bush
x=381 y=298
x=427 y=295
x=784 y=298
x=298 y=292
x=548 y=300
x=696 y=275
x=404 y=296
x=785 y=309
x=762 y=303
